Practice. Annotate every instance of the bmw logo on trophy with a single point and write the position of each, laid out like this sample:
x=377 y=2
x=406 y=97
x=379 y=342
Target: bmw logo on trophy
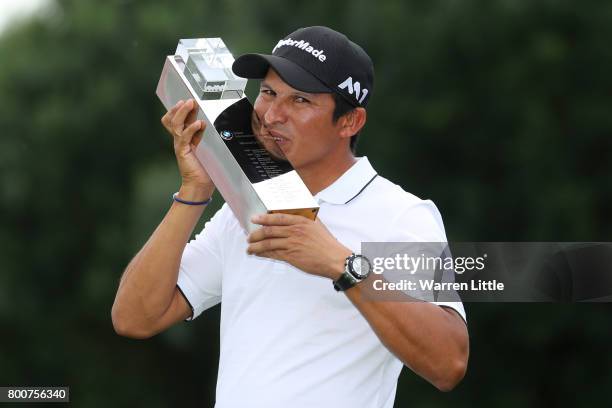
x=250 y=180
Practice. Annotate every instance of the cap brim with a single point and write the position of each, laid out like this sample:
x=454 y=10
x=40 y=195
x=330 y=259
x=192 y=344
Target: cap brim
x=255 y=66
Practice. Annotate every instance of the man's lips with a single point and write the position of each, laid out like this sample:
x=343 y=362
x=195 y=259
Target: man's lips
x=276 y=136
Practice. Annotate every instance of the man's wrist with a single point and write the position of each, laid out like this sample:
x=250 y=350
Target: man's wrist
x=338 y=265
x=195 y=193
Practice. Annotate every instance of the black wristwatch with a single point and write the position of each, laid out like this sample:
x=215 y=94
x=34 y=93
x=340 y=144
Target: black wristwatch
x=356 y=269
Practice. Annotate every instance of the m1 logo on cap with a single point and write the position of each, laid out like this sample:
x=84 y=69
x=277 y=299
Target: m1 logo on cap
x=354 y=87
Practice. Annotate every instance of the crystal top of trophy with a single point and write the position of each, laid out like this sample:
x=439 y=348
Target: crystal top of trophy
x=208 y=67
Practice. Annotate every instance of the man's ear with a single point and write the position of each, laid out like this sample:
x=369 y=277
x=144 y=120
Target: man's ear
x=352 y=122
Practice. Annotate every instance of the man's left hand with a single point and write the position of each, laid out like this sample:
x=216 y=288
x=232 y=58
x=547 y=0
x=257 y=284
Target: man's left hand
x=303 y=243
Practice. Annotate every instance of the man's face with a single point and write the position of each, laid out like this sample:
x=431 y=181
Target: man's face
x=294 y=125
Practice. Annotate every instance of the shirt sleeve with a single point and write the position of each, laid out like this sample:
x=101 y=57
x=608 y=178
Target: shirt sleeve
x=422 y=222
x=201 y=268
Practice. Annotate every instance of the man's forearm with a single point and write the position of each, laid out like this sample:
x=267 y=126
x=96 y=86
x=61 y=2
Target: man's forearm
x=148 y=284
x=431 y=340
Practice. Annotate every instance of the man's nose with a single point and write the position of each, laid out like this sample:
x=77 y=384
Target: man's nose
x=275 y=113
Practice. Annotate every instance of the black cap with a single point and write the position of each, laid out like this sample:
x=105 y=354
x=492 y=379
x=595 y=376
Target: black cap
x=315 y=59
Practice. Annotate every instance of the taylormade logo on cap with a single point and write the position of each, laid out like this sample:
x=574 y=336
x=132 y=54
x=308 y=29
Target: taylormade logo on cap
x=302 y=45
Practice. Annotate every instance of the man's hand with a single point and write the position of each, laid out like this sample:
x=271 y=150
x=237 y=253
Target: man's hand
x=303 y=243
x=180 y=121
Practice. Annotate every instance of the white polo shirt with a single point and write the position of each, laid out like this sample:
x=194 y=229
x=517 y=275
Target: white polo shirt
x=288 y=339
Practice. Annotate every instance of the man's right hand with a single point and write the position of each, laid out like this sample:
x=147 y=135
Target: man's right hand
x=180 y=121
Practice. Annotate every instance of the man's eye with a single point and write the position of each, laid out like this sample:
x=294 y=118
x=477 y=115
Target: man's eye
x=266 y=92
x=300 y=99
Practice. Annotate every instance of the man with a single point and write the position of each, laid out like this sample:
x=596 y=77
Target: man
x=288 y=339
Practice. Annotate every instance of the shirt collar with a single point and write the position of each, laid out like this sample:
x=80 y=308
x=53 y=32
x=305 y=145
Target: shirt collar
x=350 y=184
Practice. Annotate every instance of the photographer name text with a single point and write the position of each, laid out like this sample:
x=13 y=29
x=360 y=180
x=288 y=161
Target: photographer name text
x=431 y=285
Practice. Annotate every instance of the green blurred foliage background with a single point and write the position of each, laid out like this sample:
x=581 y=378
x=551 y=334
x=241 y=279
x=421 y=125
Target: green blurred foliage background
x=498 y=110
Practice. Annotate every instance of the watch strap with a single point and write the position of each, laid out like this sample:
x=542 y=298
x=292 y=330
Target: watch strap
x=346 y=280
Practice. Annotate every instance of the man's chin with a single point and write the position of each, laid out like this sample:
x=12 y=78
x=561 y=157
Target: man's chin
x=277 y=155
x=274 y=151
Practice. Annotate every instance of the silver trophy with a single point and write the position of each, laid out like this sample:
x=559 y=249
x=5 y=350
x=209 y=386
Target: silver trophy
x=250 y=180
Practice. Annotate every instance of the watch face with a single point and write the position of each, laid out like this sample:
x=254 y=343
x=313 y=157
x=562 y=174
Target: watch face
x=360 y=267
